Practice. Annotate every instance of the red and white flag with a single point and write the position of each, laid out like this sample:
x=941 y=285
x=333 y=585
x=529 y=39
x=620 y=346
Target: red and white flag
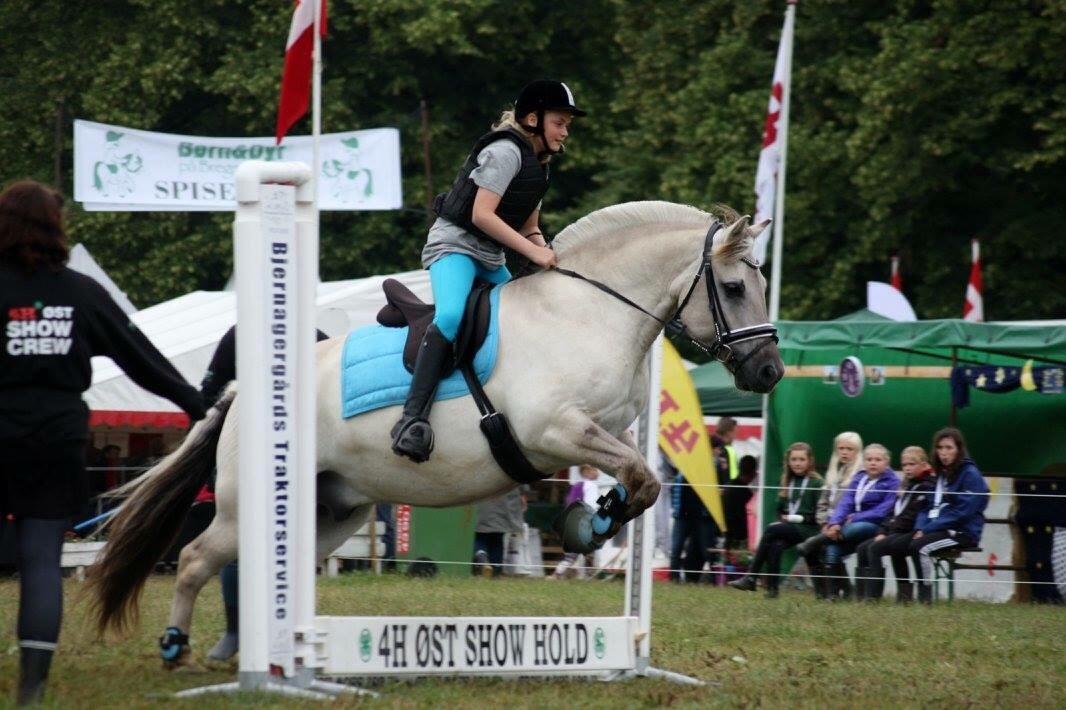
x=897 y=279
x=766 y=177
x=296 y=79
x=974 y=308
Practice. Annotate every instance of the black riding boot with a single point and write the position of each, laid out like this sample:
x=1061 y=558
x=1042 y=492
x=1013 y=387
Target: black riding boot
x=412 y=436
x=925 y=593
x=904 y=592
x=34 y=664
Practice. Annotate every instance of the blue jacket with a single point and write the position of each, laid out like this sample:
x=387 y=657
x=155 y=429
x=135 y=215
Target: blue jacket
x=959 y=512
x=875 y=505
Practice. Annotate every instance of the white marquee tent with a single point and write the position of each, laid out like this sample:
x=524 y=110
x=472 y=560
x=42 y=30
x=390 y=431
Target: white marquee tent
x=187 y=329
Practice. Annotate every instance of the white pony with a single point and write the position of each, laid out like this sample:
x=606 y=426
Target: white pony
x=571 y=376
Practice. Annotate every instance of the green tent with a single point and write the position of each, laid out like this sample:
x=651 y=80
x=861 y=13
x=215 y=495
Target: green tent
x=719 y=396
x=907 y=395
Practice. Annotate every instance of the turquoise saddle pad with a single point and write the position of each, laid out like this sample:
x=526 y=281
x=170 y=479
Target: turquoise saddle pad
x=373 y=375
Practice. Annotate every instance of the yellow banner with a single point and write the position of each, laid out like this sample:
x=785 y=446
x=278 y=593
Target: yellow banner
x=682 y=434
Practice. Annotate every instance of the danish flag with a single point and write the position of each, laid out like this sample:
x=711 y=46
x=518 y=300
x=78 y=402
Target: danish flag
x=897 y=279
x=974 y=308
x=296 y=79
x=766 y=176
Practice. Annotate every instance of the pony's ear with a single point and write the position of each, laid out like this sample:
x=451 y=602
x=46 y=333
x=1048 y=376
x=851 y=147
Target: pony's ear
x=736 y=230
x=757 y=229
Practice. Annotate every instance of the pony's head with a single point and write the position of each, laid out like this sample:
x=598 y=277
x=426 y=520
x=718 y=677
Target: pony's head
x=726 y=311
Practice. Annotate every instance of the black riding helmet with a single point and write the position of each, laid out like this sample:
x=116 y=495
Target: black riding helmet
x=544 y=95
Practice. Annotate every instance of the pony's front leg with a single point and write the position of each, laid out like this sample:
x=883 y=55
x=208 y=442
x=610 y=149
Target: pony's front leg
x=576 y=437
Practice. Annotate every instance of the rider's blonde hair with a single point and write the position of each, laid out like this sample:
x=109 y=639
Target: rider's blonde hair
x=508 y=119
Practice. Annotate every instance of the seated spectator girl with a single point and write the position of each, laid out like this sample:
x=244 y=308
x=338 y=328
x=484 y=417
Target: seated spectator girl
x=955 y=517
x=857 y=517
x=844 y=463
x=894 y=537
x=796 y=504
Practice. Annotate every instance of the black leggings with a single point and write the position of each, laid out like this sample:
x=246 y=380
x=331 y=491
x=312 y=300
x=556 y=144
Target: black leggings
x=777 y=538
x=39 y=543
x=897 y=545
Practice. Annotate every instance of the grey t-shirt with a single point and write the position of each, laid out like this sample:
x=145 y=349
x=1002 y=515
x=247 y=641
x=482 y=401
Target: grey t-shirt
x=497 y=165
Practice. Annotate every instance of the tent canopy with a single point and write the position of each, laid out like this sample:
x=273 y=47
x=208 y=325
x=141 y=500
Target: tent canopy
x=1046 y=342
x=187 y=329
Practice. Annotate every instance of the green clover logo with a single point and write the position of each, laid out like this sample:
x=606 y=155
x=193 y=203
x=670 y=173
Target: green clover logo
x=365 y=645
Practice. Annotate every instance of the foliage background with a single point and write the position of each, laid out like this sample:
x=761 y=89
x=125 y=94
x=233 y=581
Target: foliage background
x=916 y=125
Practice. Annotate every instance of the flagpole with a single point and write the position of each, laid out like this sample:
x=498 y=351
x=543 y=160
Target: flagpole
x=779 y=192
x=316 y=102
x=779 y=231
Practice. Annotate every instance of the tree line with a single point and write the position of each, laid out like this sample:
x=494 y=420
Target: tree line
x=916 y=125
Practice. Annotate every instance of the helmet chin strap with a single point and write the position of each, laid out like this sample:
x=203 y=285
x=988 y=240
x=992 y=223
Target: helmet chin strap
x=538 y=130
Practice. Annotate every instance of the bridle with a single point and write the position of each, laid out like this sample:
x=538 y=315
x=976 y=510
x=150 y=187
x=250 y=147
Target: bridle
x=721 y=349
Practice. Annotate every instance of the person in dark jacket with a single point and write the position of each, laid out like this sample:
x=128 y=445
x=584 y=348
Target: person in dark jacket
x=857 y=517
x=894 y=537
x=493 y=205
x=955 y=517
x=694 y=530
x=797 y=502
x=53 y=321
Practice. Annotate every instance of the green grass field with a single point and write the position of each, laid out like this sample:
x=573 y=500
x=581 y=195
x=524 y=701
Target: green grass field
x=790 y=653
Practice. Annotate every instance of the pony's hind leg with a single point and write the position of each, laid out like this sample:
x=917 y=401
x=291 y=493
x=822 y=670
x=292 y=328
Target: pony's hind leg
x=577 y=437
x=199 y=561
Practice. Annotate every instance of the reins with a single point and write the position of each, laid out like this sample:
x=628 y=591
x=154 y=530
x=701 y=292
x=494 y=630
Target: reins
x=724 y=337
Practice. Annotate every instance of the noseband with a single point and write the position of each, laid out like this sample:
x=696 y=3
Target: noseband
x=721 y=349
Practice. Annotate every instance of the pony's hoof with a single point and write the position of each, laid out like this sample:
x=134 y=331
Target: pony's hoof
x=574 y=526
x=174 y=649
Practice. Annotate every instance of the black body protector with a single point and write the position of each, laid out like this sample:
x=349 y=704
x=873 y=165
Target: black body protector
x=525 y=192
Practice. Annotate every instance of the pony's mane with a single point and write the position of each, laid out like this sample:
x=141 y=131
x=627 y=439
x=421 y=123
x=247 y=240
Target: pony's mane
x=626 y=216
x=629 y=215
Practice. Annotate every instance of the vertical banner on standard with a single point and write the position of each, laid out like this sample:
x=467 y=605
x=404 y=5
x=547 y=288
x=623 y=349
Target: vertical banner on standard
x=278 y=209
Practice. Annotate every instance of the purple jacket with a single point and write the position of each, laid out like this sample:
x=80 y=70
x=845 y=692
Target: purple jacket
x=876 y=503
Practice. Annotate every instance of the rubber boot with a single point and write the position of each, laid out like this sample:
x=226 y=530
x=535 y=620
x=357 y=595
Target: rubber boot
x=773 y=586
x=925 y=593
x=746 y=583
x=875 y=583
x=229 y=642
x=839 y=582
x=904 y=592
x=412 y=436
x=860 y=583
x=33 y=666
x=818 y=578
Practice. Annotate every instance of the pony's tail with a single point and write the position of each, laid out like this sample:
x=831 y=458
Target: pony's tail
x=149 y=522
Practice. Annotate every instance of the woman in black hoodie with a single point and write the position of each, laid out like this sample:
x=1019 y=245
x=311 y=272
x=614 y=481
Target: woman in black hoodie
x=896 y=532
x=52 y=321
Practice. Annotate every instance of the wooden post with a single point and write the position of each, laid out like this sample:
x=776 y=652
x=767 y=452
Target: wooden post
x=426 y=165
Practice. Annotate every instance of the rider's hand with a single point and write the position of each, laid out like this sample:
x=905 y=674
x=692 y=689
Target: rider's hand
x=879 y=537
x=543 y=257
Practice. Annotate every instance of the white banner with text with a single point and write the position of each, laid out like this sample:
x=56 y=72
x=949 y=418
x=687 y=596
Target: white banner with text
x=482 y=645
x=126 y=170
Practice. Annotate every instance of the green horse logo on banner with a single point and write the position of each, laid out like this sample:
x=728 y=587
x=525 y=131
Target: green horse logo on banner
x=113 y=176
x=348 y=180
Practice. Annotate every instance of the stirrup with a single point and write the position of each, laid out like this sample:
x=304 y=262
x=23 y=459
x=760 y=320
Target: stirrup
x=413 y=438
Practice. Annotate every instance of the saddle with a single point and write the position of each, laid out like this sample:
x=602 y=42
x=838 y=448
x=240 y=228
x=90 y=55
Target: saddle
x=405 y=309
